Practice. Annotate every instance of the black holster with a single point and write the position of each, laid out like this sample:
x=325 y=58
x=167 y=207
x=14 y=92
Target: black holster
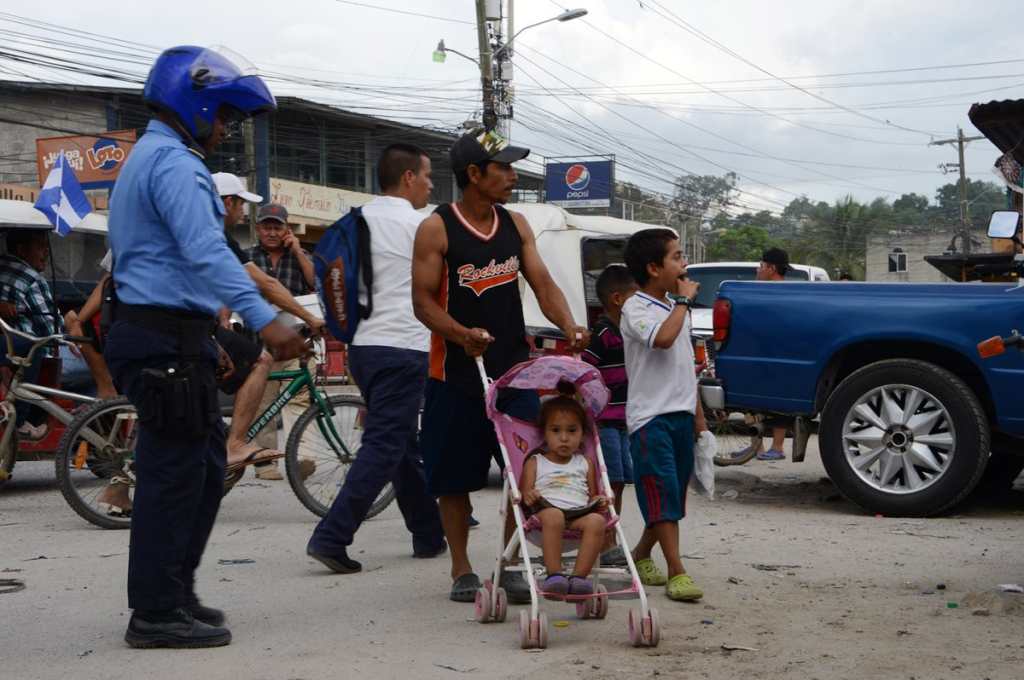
x=179 y=400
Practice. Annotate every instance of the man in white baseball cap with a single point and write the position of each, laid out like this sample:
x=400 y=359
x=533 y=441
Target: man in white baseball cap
x=252 y=364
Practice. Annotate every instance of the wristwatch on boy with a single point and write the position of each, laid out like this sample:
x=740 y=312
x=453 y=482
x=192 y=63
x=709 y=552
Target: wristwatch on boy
x=680 y=299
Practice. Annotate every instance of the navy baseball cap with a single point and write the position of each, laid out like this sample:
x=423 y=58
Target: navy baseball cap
x=480 y=145
x=273 y=211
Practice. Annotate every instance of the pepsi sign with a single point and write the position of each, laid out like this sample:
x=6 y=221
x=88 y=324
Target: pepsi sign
x=581 y=184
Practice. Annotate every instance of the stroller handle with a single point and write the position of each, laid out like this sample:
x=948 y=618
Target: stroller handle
x=513 y=489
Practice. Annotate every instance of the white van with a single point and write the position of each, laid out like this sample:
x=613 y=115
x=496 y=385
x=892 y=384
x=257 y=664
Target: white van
x=710 y=276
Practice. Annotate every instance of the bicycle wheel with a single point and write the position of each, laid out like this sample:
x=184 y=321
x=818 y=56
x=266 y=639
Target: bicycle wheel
x=9 y=456
x=315 y=471
x=737 y=435
x=85 y=469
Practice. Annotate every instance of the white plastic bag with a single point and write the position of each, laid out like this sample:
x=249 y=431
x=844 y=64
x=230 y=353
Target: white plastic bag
x=703 y=479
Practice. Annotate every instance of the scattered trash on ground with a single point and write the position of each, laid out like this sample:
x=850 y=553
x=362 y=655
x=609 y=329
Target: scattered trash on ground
x=731 y=494
x=707 y=622
x=244 y=560
x=738 y=648
x=774 y=567
x=952 y=605
x=454 y=668
x=11 y=585
x=940 y=586
x=735 y=581
x=561 y=624
x=981 y=611
x=1005 y=587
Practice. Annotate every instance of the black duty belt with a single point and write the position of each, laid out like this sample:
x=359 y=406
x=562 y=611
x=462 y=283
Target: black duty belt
x=191 y=329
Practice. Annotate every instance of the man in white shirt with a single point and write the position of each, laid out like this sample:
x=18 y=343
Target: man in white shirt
x=388 y=359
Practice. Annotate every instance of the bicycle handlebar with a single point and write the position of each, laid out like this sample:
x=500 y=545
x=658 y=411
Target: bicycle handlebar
x=10 y=332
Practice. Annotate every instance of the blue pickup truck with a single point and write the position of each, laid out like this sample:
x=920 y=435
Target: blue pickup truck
x=909 y=414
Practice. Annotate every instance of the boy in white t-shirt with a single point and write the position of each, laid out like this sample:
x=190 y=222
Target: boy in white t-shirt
x=662 y=402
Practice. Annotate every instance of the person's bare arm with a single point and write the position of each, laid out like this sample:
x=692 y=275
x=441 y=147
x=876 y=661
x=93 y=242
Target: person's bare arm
x=673 y=325
x=92 y=304
x=550 y=297
x=276 y=294
x=526 y=488
x=427 y=272
x=592 y=491
x=305 y=264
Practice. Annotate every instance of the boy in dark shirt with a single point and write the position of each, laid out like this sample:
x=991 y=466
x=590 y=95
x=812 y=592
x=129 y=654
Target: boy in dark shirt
x=614 y=286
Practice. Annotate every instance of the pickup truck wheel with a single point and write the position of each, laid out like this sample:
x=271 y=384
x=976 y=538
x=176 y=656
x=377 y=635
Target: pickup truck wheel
x=904 y=437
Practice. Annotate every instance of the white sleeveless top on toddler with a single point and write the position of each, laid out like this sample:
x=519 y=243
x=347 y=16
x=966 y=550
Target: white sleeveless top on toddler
x=564 y=486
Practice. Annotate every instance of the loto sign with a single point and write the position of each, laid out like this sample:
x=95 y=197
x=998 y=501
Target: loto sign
x=96 y=159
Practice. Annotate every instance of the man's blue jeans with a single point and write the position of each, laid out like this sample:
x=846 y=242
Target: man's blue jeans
x=391 y=381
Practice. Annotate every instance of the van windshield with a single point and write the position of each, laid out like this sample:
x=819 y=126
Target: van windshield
x=710 y=278
x=598 y=253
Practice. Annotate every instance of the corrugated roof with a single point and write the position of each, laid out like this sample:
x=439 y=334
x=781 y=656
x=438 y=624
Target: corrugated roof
x=1002 y=122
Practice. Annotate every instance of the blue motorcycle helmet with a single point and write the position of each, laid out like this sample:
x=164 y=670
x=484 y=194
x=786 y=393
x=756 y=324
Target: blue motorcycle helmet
x=195 y=83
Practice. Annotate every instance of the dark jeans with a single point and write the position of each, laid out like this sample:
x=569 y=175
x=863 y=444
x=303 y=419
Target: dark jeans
x=179 y=479
x=391 y=381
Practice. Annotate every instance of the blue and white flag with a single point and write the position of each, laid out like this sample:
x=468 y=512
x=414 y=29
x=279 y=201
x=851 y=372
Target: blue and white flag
x=62 y=199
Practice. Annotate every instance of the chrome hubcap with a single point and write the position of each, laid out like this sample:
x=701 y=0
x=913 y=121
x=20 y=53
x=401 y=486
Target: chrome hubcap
x=899 y=439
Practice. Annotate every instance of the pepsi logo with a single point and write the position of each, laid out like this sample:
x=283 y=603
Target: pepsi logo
x=577 y=177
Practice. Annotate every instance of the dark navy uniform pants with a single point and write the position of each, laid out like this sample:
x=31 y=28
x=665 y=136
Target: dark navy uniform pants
x=391 y=381
x=179 y=479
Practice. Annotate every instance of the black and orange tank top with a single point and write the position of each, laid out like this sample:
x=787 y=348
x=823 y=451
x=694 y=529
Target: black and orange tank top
x=480 y=289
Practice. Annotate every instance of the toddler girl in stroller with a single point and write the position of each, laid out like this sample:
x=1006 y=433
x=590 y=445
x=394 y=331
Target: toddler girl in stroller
x=559 y=487
x=574 y=448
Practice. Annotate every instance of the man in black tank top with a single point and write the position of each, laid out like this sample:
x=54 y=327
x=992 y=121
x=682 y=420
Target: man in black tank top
x=465 y=287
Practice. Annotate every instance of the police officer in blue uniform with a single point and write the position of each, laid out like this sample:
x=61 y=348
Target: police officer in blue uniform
x=172 y=272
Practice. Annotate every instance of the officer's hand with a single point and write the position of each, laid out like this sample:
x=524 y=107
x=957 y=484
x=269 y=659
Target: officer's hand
x=475 y=341
x=283 y=343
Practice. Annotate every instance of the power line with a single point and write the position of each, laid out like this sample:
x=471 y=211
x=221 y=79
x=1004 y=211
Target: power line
x=406 y=12
x=693 y=30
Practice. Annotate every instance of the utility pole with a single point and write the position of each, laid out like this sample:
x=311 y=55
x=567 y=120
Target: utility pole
x=965 y=225
x=249 y=141
x=490 y=116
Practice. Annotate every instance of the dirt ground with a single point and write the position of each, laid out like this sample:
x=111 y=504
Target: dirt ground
x=815 y=587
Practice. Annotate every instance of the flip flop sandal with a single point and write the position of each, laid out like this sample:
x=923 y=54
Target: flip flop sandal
x=465 y=587
x=251 y=459
x=115 y=510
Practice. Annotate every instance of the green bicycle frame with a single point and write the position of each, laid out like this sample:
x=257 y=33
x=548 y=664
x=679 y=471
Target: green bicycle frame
x=302 y=379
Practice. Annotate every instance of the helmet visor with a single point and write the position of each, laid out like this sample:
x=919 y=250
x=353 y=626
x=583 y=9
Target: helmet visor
x=219 y=65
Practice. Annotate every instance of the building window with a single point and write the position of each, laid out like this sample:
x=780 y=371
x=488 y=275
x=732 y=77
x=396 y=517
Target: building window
x=897 y=261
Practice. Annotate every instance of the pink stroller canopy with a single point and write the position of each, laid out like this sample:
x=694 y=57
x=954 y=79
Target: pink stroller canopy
x=545 y=374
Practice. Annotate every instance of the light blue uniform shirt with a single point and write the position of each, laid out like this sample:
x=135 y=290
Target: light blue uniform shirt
x=167 y=234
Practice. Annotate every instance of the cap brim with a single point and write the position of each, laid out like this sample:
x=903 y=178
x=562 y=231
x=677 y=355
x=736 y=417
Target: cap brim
x=275 y=218
x=252 y=198
x=510 y=154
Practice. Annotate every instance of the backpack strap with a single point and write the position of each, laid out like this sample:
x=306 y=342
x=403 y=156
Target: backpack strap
x=365 y=261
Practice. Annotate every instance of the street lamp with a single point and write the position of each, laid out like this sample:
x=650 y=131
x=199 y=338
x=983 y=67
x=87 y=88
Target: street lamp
x=441 y=53
x=567 y=15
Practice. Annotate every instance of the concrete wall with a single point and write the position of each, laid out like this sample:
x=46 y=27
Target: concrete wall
x=75 y=112
x=916 y=246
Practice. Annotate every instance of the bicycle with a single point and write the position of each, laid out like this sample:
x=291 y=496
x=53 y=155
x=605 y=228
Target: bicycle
x=319 y=450
x=19 y=390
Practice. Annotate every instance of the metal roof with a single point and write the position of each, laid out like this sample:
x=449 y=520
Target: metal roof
x=1002 y=122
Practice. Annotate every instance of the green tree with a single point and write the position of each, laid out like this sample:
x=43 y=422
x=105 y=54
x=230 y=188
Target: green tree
x=740 y=244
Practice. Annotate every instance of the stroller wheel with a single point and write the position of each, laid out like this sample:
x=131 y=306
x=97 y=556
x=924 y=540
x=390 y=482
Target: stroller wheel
x=482 y=605
x=541 y=640
x=652 y=628
x=524 y=629
x=600 y=603
x=635 y=637
x=501 y=608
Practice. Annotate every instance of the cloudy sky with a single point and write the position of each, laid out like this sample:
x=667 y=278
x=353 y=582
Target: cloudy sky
x=823 y=98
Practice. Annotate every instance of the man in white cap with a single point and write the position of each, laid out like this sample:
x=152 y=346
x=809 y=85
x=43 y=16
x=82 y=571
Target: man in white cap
x=252 y=365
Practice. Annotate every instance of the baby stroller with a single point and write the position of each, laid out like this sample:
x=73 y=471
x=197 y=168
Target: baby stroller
x=517 y=439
